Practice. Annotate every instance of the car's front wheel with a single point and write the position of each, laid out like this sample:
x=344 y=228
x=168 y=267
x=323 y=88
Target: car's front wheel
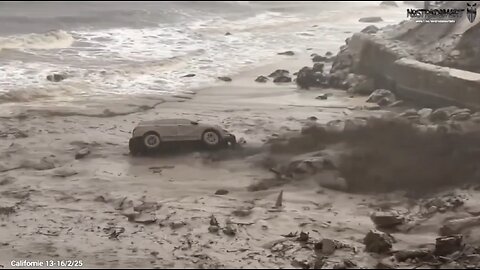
x=211 y=138
x=136 y=146
x=151 y=141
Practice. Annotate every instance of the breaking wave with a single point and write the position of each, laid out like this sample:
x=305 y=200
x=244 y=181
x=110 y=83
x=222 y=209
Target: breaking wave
x=51 y=40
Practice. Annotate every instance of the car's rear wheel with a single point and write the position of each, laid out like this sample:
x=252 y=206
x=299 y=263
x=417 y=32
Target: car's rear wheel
x=211 y=138
x=151 y=141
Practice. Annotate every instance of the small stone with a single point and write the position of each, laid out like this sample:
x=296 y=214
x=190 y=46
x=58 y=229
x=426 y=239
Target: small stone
x=229 y=230
x=425 y=113
x=188 y=76
x=289 y=53
x=213 y=229
x=225 y=79
x=261 y=79
x=213 y=221
x=322 y=97
x=82 y=153
x=56 y=77
x=221 y=192
x=312 y=118
x=228 y=34
x=303 y=237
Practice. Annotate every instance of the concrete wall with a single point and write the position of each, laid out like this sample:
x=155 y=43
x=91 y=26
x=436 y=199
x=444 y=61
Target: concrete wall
x=393 y=68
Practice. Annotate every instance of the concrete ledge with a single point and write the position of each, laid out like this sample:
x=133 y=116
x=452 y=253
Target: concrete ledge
x=391 y=66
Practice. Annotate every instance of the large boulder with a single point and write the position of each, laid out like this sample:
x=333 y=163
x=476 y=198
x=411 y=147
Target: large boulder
x=378 y=242
x=343 y=61
x=371 y=19
x=307 y=78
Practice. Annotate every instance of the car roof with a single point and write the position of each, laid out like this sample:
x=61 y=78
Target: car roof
x=166 y=122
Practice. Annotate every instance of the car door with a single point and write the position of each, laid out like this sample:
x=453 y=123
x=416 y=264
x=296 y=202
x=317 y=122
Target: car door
x=187 y=131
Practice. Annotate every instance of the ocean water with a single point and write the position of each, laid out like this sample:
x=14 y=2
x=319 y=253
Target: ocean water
x=137 y=48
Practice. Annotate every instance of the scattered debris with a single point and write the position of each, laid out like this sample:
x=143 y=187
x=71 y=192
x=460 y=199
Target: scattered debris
x=386 y=220
x=378 y=242
x=279 y=201
x=114 y=232
x=322 y=97
x=404 y=255
x=448 y=245
x=175 y=225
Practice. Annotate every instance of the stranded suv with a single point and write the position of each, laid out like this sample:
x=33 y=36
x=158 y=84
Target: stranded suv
x=149 y=136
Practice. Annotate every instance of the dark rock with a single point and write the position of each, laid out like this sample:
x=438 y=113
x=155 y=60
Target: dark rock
x=386 y=220
x=229 y=230
x=382 y=97
x=371 y=29
x=378 y=242
x=388 y=4
x=303 y=237
x=278 y=73
x=318 y=67
x=82 y=153
x=261 y=79
x=221 y=192
x=439 y=115
x=328 y=54
x=307 y=78
x=56 y=77
x=371 y=19
x=448 y=245
x=312 y=118
x=342 y=62
x=188 y=75
x=225 y=79
x=319 y=58
x=213 y=221
x=327 y=246
x=322 y=97
x=282 y=79
x=290 y=53
x=228 y=34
